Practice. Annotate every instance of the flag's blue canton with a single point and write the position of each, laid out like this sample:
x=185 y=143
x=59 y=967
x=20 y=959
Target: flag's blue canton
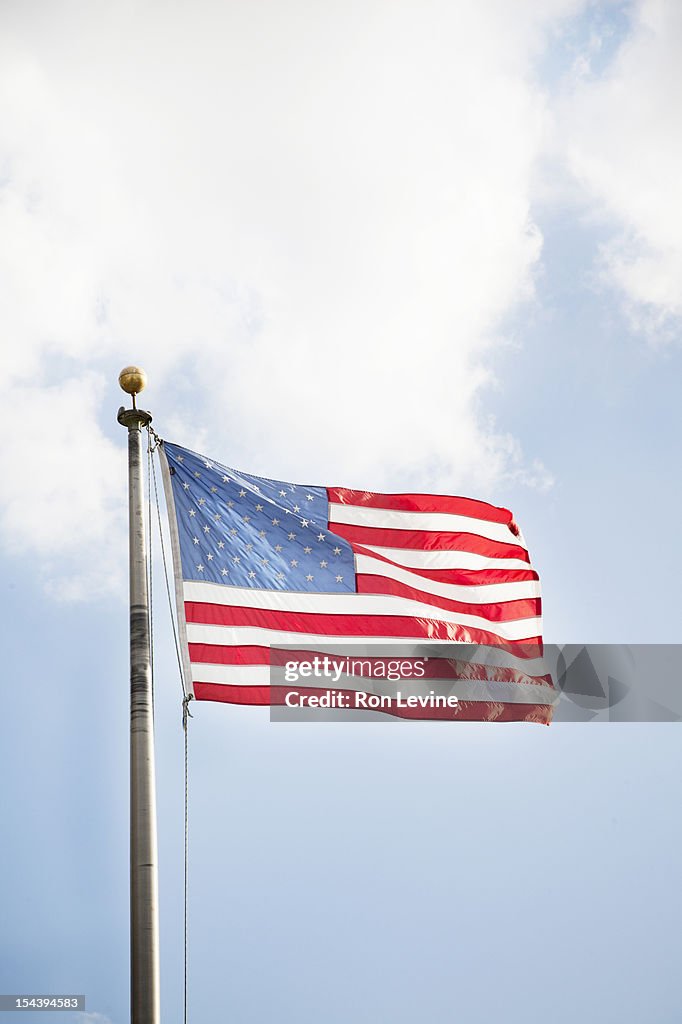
x=247 y=531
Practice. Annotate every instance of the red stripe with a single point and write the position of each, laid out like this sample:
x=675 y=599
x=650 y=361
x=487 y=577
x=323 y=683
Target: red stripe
x=227 y=694
x=443 y=503
x=428 y=540
x=460 y=577
x=406 y=626
x=466 y=711
x=228 y=654
x=499 y=611
x=435 y=667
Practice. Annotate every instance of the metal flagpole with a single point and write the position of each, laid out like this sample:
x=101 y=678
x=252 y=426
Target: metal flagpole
x=144 y=905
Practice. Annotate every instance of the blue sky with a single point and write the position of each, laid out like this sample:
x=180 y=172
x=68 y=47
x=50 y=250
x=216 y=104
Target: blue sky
x=381 y=245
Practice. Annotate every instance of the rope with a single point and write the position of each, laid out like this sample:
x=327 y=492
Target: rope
x=186 y=698
x=165 y=564
x=150 y=602
x=186 y=713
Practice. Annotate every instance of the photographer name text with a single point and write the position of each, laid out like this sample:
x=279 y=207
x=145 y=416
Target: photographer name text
x=368 y=701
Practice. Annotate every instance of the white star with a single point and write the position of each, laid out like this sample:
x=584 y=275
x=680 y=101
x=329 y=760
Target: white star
x=221 y=544
x=320 y=536
x=209 y=465
x=214 y=490
x=223 y=572
x=195 y=539
x=308 y=497
x=207 y=528
x=261 y=533
x=217 y=517
x=282 y=494
x=233 y=531
x=226 y=479
x=310 y=578
x=202 y=501
x=181 y=458
x=292 y=536
x=323 y=564
x=242 y=494
x=337 y=551
x=256 y=488
x=236 y=559
x=339 y=579
x=209 y=557
x=192 y=512
x=296 y=508
x=186 y=486
x=275 y=522
x=252 y=575
x=265 y=561
x=230 y=504
x=197 y=474
x=293 y=563
x=259 y=508
x=200 y=567
x=247 y=519
x=249 y=547
x=279 y=576
x=306 y=551
x=304 y=522
x=278 y=548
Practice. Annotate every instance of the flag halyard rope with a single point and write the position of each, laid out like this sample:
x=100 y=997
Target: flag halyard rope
x=152 y=448
x=186 y=713
x=154 y=442
x=150 y=603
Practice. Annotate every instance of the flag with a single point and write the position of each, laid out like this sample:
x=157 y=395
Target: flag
x=262 y=565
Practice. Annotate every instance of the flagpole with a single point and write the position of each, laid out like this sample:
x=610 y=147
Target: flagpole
x=144 y=906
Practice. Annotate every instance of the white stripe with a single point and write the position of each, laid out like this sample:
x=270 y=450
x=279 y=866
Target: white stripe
x=489 y=593
x=358 y=647
x=413 y=558
x=465 y=689
x=352 y=604
x=261 y=636
x=258 y=636
x=441 y=522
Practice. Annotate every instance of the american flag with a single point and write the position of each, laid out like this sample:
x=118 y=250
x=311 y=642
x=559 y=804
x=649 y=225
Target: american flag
x=261 y=564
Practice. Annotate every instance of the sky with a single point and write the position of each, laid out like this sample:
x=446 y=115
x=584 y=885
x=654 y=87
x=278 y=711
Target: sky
x=428 y=246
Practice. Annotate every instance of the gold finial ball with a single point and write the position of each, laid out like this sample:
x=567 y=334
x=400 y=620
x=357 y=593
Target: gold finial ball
x=132 y=379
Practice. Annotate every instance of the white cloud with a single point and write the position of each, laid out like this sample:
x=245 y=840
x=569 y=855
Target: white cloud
x=306 y=220
x=623 y=144
x=64 y=499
